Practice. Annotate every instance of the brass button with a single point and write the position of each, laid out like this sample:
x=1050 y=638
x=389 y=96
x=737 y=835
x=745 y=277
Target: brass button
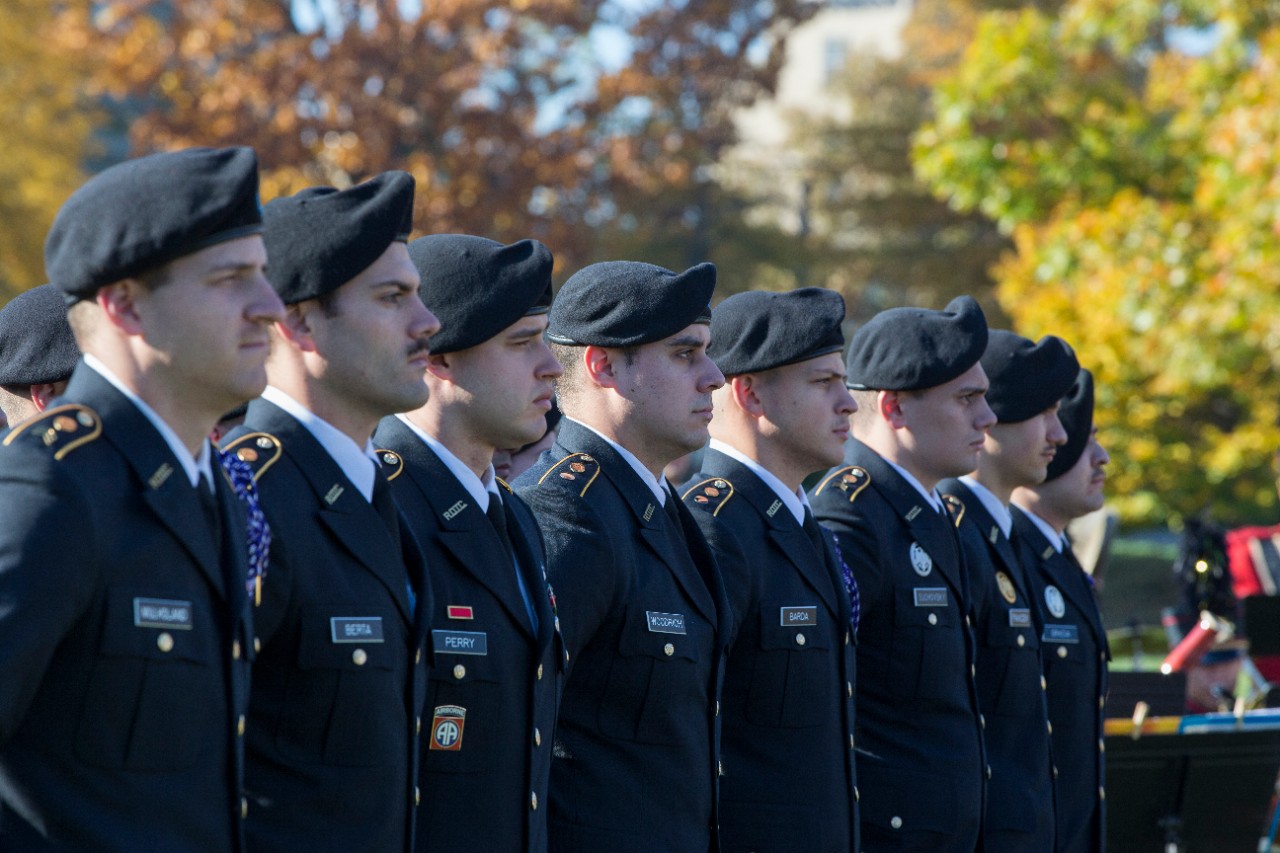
x=988 y=771
x=1044 y=685
x=895 y=822
x=846 y=638
x=933 y=618
x=533 y=800
x=537 y=737
x=359 y=657
x=235 y=650
x=244 y=807
x=1050 y=725
x=417 y=658
x=164 y=642
x=668 y=650
x=417 y=795
x=1062 y=651
x=257 y=645
x=566 y=655
x=717 y=707
x=856 y=795
x=459 y=671
x=849 y=686
x=417 y=726
x=539 y=672
x=1022 y=641
x=240 y=726
x=1102 y=747
x=982 y=721
x=799 y=639
x=720 y=767
x=851 y=741
x=1102 y=793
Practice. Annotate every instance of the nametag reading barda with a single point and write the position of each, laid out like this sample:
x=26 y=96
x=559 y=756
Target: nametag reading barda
x=803 y=615
x=920 y=560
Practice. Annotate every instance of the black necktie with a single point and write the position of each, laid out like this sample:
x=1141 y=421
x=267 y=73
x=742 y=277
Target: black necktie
x=497 y=513
x=212 y=515
x=385 y=505
x=672 y=507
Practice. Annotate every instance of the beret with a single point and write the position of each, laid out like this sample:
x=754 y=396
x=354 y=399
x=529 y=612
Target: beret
x=144 y=213
x=758 y=330
x=1076 y=414
x=478 y=287
x=911 y=349
x=36 y=344
x=628 y=303
x=321 y=238
x=1026 y=378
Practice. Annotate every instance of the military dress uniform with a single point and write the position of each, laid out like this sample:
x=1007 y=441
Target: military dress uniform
x=1011 y=691
x=787 y=707
x=1075 y=651
x=125 y=637
x=635 y=761
x=494 y=692
x=920 y=758
x=340 y=679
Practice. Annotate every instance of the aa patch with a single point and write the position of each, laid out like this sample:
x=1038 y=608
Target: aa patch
x=446 y=728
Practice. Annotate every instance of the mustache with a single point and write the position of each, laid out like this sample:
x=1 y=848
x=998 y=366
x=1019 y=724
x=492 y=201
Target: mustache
x=422 y=347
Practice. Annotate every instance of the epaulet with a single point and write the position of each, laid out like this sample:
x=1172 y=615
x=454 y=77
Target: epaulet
x=61 y=429
x=504 y=484
x=575 y=467
x=258 y=450
x=851 y=480
x=392 y=463
x=956 y=506
x=710 y=494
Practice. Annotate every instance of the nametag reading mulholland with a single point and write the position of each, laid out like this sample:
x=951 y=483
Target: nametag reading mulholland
x=356 y=629
x=162 y=613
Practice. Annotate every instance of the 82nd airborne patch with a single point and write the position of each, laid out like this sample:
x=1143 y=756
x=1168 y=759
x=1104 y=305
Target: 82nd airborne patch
x=446 y=728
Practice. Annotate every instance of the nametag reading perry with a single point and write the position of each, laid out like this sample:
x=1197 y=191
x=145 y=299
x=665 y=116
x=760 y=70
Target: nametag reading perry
x=1061 y=634
x=356 y=629
x=930 y=596
x=162 y=613
x=1019 y=617
x=460 y=642
x=799 y=616
x=665 y=623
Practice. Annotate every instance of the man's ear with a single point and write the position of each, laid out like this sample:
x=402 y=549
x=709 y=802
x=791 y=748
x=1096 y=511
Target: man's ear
x=440 y=366
x=119 y=304
x=295 y=328
x=745 y=392
x=600 y=364
x=889 y=404
x=42 y=395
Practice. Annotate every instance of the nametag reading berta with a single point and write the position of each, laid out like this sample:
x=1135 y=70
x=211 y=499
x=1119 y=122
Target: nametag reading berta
x=162 y=613
x=1019 y=617
x=930 y=596
x=356 y=629
x=665 y=623
x=1061 y=634
x=799 y=615
x=460 y=642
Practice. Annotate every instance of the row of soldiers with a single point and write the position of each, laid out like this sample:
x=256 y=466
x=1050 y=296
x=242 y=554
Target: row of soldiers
x=339 y=630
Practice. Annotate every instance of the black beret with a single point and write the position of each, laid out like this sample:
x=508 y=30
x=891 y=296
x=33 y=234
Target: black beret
x=911 y=349
x=321 y=238
x=36 y=344
x=628 y=303
x=758 y=330
x=144 y=213
x=1076 y=414
x=477 y=287
x=1026 y=378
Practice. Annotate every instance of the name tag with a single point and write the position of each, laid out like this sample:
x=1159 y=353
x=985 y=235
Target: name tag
x=162 y=613
x=930 y=596
x=665 y=623
x=356 y=629
x=1061 y=634
x=799 y=616
x=460 y=642
x=1019 y=617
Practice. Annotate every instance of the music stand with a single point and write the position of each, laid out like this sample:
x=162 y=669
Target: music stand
x=1165 y=694
x=1206 y=792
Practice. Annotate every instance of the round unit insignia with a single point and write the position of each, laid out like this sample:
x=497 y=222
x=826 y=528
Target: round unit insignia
x=565 y=475
x=1006 y=587
x=720 y=484
x=84 y=419
x=711 y=491
x=1053 y=600
x=585 y=458
x=247 y=454
x=62 y=423
x=700 y=499
x=577 y=467
x=920 y=560
x=264 y=442
x=389 y=458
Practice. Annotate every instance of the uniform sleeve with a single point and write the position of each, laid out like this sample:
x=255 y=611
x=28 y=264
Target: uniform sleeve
x=47 y=572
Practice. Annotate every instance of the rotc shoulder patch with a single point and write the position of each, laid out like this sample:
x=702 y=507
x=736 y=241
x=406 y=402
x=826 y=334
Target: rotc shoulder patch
x=390 y=462
x=710 y=495
x=577 y=470
x=850 y=480
x=258 y=450
x=61 y=429
x=955 y=506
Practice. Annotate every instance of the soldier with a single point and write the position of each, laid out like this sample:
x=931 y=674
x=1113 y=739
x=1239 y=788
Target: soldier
x=124 y=633
x=922 y=417
x=1073 y=640
x=635 y=758
x=493 y=694
x=787 y=706
x=37 y=352
x=1027 y=380
x=339 y=684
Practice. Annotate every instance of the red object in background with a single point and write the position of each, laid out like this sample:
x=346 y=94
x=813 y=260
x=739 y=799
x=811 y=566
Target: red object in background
x=1193 y=646
x=1253 y=558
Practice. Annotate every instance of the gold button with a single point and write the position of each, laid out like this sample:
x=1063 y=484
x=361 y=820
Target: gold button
x=459 y=671
x=417 y=795
x=359 y=657
x=533 y=800
x=235 y=650
x=967 y=623
x=849 y=686
x=1102 y=793
x=720 y=767
x=1102 y=701
x=1050 y=725
x=856 y=795
x=851 y=741
x=717 y=707
x=799 y=639
x=257 y=645
x=988 y=771
x=566 y=655
x=933 y=618
x=164 y=642
x=1022 y=641
x=1102 y=747
x=1044 y=685
x=895 y=822
x=417 y=658
x=846 y=638
x=417 y=726
x=240 y=726
x=537 y=737
x=669 y=650
x=539 y=672
x=982 y=721
x=1062 y=651
x=244 y=807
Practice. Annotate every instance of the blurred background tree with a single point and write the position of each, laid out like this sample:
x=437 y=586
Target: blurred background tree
x=1131 y=148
